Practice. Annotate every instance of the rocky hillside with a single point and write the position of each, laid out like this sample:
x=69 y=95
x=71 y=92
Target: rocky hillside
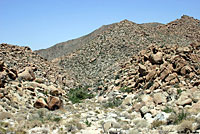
x=67 y=47
x=118 y=42
x=26 y=79
x=156 y=90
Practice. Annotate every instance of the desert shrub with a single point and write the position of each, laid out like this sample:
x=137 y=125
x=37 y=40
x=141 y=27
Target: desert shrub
x=176 y=118
x=113 y=103
x=168 y=110
x=157 y=123
x=75 y=95
x=88 y=123
x=125 y=89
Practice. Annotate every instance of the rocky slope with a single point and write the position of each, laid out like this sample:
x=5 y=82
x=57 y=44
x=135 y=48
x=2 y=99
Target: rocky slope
x=157 y=90
x=67 y=47
x=152 y=87
x=119 y=41
x=26 y=80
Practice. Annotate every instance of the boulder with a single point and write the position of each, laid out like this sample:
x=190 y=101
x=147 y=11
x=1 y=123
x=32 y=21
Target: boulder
x=54 y=91
x=142 y=70
x=54 y=103
x=183 y=49
x=1 y=65
x=151 y=75
x=159 y=98
x=1 y=83
x=156 y=58
x=185 y=70
x=187 y=101
x=40 y=103
x=171 y=77
x=27 y=74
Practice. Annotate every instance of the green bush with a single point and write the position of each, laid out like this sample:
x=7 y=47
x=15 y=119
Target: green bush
x=80 y=93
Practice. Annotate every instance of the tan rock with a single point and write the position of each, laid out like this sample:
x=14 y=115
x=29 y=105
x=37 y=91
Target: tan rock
x=185 y=70
x=150 y=75
x=156 y=58
x=147 y=99
x=137 y=106
x=1 y=95
x=159 y=98
x=54 y=91
x=194 y=57
x=188 y=101
x=183 y=49
x=171 y=77
x=195 y=108
x=142 y=70
x=40 y=103
x=54 y=103
x=174 y=81
x=27 y=74
x=184 y=99
x=164 y=74
x=39 y=80
x=12 y=74
x=154 y=86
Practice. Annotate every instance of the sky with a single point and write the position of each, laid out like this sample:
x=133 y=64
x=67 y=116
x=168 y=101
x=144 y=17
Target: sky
x=40 y=24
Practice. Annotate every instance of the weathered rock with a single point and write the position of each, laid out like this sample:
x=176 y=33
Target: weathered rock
x=151 y=75
x=171 y=77
x=137 y=106
x=185 y=70
x=159 y=98
x=1 y=95
x=156 y=58
x=142 y=70
x=40 y=103
x=54 y=91
x=54 y=103
x=144 y=110
x=27 y=74
x=128 y=100
x=1 y=65
x=1 y=83
x=39 y=80
x=188 y=101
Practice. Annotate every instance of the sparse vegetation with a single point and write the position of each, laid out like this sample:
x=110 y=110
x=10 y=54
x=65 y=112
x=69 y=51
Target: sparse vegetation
x=185 y=127
x=126 y=89
x=157 y=123
x=113 y=103
x=168 y=110
x=80 y=93
x=176 y=118
x=179 y=91
x=150 y=84
x=88 y=123
x=176 y=86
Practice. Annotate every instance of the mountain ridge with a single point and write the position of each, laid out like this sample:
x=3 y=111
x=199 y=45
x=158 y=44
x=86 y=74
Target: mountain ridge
x=117 y=42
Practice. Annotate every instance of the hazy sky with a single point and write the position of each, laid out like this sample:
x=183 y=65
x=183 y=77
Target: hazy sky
x=43 y=23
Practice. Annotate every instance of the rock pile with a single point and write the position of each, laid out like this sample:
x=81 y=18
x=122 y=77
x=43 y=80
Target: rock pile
x=119 y=41
x=160 y=84
x=25 y=81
